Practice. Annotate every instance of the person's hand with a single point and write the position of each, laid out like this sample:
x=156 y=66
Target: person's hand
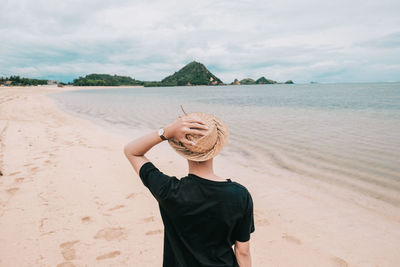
x=183 y=126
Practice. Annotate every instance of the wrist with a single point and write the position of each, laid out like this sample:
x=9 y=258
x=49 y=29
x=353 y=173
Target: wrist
x=167 y=132
x=161 y=134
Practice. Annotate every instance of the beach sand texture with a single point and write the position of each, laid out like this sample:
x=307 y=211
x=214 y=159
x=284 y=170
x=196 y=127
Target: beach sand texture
x=68 y=197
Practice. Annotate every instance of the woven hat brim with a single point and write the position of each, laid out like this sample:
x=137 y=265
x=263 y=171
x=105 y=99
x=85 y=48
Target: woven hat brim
x=223 y=134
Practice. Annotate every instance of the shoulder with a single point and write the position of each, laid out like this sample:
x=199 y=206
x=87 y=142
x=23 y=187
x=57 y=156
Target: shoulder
x=147 y=167
x=240 y=188
x=159 y=184
x=243 y=194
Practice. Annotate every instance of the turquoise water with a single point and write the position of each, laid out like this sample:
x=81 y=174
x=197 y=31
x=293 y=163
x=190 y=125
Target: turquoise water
x=347 y=134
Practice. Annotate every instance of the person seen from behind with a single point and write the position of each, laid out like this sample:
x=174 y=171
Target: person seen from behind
x=207 y=219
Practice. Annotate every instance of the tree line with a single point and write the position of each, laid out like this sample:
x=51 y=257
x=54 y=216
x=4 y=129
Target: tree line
x=17 y=80
x=105 y=80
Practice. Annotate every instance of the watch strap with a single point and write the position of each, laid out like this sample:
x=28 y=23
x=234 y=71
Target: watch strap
x=161 y=134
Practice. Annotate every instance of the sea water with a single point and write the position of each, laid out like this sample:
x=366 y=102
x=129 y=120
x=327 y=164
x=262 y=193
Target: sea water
x=347 y=134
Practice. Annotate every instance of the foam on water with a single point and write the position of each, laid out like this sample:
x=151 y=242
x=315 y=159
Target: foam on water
x=346 y=134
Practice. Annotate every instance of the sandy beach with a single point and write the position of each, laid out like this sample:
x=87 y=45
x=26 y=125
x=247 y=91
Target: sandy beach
x=68 y=197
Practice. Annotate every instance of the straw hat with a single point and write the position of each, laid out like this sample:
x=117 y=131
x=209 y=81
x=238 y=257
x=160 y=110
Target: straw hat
x=207 y=146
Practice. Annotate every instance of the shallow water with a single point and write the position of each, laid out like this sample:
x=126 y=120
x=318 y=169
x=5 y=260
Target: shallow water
x=346 y=134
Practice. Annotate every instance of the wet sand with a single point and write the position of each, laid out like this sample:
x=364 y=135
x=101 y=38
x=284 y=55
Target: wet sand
x=68 y=197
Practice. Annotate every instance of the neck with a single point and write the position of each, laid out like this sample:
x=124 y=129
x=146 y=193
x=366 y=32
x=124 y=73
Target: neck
x=203 y=169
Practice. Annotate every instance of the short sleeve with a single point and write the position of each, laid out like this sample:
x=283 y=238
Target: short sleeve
x=157 y=182
x=245 y=226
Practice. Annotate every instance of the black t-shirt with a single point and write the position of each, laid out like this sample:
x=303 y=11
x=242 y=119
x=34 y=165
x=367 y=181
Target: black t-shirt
x=202 y=218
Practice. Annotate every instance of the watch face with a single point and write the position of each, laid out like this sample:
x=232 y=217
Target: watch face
x=161 y=131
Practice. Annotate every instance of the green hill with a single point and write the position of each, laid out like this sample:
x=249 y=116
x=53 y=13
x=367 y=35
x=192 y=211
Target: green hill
x=105 y=80
x=264 y=80
x=193 y=73
x=21 y=81
x=247 y=81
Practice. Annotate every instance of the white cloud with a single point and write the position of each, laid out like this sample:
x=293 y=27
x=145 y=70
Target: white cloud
x=327 y=41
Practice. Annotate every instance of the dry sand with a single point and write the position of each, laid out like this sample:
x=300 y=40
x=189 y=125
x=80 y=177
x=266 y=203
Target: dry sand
x=68 y=197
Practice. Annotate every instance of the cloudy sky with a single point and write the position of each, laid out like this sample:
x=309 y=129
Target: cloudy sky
x=308 y=40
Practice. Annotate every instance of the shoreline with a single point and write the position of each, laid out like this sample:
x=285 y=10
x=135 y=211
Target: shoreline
x=87 y=207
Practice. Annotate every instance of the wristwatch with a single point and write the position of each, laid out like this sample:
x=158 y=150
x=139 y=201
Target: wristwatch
x=161 y=134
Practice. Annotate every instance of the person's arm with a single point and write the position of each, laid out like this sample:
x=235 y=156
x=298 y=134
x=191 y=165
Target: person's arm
x=136 y=149
x=242 y=253
x=242 y=234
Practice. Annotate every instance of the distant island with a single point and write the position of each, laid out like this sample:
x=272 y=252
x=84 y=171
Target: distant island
x=105 y=80
x=194 y=73
x=261 y=80
x=20 y=81
x=247 y=81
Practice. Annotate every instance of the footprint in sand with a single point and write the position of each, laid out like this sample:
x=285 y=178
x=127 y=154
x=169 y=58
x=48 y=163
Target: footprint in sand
x=19 y=180
x=86 y=219
x=148 y=219
x=291 y=239
x=47 y=233
x=108 y=255
x=116 y=207
x=34 y=170
x=14 y=173
x=155 y=232
x=42 y=222
x=68 y=244
x=12 y=190
x=130 y=196
x=68 y=252
x=259 y=220
x=339 y=262
x=111 y=234
x=66 y=264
